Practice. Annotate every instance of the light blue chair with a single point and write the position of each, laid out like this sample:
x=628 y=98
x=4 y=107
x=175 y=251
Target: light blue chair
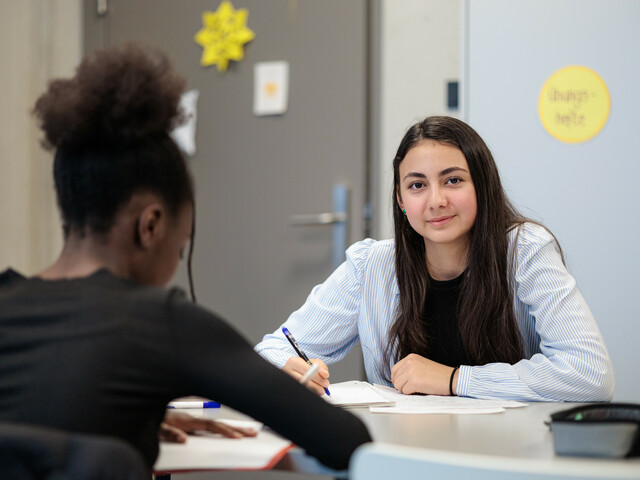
x=377 y=461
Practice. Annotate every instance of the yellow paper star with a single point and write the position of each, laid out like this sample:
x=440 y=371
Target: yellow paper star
x=222 y=36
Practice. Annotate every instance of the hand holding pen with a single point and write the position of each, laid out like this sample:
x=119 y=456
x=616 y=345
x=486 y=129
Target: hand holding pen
x=310 y=374
x=298 y=366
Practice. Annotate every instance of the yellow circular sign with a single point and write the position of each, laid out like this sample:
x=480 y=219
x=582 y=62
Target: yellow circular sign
x=574 y=104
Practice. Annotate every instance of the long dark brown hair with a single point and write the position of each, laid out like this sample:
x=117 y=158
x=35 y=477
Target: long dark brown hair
x=485 y=310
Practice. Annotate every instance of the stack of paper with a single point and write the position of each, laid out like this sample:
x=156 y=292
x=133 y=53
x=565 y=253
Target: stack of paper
x=356 y=394
x=381 y=399
x=439 y=404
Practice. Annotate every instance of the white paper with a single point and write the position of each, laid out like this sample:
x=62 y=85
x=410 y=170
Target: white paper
x=355 y=393
x=409 y=404
x=252 y=424
x=185 y=134
x=211 y=451
x=270 y=88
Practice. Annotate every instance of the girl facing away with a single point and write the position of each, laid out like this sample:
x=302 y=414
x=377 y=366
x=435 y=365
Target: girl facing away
x=94 y=343
x=470 y=298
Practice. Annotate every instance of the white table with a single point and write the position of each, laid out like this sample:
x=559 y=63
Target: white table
x=516 y=433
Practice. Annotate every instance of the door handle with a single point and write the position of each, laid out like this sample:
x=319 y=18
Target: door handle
x=338 y=219
x=307 y=219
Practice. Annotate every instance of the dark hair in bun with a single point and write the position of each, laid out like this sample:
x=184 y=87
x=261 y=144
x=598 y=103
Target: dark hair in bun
x=109 y=125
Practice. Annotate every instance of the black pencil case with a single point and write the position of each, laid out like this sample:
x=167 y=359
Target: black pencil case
x=597 y=430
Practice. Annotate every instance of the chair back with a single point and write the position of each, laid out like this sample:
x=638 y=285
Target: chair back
x=33 y=452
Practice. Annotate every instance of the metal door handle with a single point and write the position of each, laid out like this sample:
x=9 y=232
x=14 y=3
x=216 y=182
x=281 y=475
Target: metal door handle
x=326 y=218
x=339 y=219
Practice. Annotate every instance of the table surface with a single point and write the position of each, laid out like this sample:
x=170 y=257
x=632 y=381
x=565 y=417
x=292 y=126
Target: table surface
x=515 y=433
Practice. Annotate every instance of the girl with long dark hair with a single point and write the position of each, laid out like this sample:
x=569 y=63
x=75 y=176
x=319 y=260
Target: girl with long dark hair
x=470 y=298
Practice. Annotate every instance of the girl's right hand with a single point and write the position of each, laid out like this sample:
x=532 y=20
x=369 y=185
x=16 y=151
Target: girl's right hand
x=297 y=367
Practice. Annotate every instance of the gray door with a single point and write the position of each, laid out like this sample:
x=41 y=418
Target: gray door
x=253 y=173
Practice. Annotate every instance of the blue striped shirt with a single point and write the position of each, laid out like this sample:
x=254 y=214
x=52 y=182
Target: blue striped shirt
x=565 y=355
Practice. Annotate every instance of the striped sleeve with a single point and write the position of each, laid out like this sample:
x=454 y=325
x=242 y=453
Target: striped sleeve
x=326 y=325
x=566 y=357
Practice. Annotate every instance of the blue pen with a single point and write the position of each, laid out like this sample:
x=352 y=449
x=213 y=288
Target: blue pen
x=300 y=353
x=188 y=404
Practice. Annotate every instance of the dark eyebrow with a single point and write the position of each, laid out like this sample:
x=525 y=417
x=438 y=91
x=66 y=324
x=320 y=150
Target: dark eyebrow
x=447 y=171
x=414 y=174
x=444 y=172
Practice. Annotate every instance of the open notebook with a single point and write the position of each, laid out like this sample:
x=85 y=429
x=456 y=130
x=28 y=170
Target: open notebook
x=207 y=451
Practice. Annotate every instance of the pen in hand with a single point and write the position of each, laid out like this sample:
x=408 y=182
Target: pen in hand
x=309 y=374
x=300 y=353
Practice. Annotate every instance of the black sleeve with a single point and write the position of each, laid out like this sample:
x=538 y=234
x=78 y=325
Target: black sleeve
x=214 y=361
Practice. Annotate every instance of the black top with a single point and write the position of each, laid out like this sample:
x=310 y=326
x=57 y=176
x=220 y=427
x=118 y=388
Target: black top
x=104 y=355
x=441 y=323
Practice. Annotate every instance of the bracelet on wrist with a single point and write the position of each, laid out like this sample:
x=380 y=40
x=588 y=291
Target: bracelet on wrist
x=455 y=369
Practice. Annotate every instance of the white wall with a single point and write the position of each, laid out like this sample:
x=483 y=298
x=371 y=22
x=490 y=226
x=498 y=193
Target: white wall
x=586 y=193
x=419 y=52
x=39 y=40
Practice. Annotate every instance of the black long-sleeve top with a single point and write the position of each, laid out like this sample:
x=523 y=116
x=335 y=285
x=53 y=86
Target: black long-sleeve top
x=440 y=321
x=104 y=355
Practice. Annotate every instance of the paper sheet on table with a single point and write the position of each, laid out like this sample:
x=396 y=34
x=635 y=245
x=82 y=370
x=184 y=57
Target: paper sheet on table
x=439 y=404
x=213 y=452
x=355 y=394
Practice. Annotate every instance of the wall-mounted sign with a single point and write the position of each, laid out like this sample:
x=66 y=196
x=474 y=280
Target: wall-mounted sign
x=270 y=88
x=574 y=104
x=223 y=35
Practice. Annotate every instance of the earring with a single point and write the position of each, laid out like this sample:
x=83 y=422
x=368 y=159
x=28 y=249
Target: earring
x=404 y=210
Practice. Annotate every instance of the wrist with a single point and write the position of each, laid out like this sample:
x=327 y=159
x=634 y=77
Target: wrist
x=453 y=381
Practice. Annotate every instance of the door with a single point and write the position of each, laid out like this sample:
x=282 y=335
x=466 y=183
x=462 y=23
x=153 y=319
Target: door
x=253 y=174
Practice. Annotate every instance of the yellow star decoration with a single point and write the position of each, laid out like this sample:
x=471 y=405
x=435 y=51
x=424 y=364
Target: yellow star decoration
x=222 y=36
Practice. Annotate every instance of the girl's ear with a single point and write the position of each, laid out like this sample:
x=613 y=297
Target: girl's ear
x=151 y=225
x=399 y=198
